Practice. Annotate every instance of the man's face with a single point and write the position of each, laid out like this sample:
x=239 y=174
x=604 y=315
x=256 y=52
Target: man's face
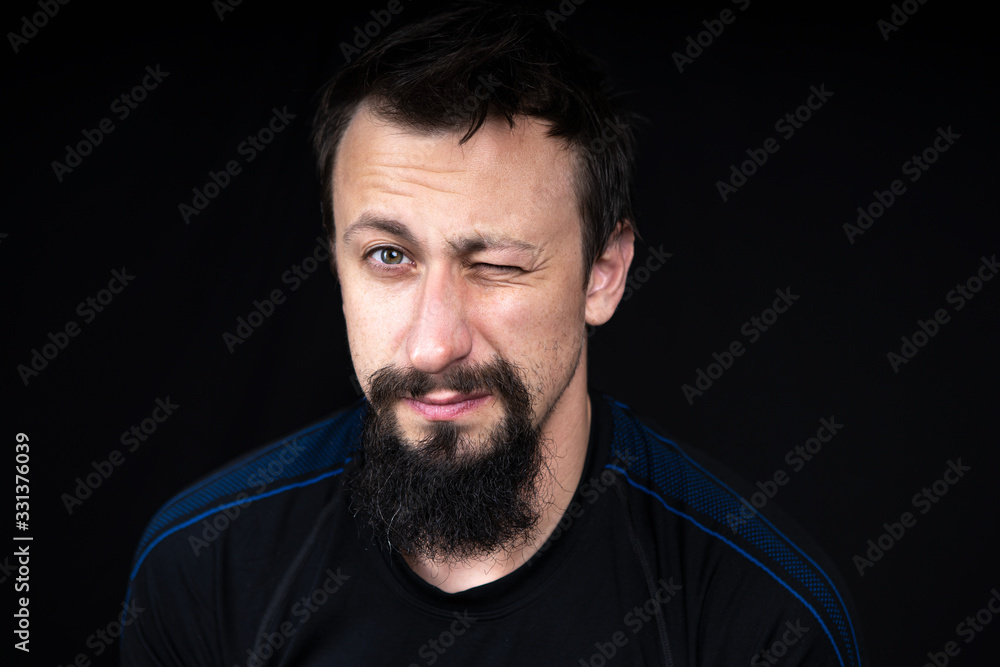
x=461 y=274
x=453 y=255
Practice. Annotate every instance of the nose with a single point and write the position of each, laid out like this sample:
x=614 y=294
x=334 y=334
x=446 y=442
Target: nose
x=439 y=334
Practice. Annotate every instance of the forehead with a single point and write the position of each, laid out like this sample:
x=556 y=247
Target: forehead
x=501 y=175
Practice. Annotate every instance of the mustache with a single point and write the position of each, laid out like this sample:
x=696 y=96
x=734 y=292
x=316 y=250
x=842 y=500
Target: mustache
x=497 y=376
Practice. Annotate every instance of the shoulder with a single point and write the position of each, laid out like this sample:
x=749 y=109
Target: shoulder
x=215 y=550
x=304 y=459
x=758 y=559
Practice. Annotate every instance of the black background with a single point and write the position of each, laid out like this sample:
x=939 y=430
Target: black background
x=162 y=336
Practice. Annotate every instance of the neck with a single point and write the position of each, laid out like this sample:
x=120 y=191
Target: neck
x=566 y=433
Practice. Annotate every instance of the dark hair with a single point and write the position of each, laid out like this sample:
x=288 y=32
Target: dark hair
x=457 y=69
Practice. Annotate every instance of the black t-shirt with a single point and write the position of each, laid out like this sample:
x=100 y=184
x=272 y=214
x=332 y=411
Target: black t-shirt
x=263 y=563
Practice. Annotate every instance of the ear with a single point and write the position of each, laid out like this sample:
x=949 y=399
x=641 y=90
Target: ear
x=608 y=276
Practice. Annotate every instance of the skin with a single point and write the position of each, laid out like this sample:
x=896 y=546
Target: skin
x=483 y=257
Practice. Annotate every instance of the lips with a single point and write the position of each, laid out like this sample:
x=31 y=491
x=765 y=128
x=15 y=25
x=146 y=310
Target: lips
x=441 y=406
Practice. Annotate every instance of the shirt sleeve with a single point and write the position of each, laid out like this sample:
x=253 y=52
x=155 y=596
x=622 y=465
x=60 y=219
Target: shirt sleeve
x=173 y=621
x=752 y=622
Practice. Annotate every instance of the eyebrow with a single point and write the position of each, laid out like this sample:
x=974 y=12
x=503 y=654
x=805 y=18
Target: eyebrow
x=463 y=246
x=377 y=223
x=489 y=241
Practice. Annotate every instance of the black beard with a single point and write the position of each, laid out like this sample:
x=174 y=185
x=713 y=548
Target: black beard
x=446 y=497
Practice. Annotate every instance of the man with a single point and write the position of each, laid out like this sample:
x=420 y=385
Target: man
x=480 y=506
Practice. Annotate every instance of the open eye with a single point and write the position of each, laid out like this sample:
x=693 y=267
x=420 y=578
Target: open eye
x=388 y=256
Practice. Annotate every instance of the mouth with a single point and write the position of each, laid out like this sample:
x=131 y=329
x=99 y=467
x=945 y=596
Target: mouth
x=442 y=406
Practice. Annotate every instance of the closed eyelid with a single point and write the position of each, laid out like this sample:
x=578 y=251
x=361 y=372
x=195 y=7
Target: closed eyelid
x=501 y=267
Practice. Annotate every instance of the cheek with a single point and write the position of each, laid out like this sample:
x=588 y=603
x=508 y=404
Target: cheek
x=370 y=325
x=543 y=336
